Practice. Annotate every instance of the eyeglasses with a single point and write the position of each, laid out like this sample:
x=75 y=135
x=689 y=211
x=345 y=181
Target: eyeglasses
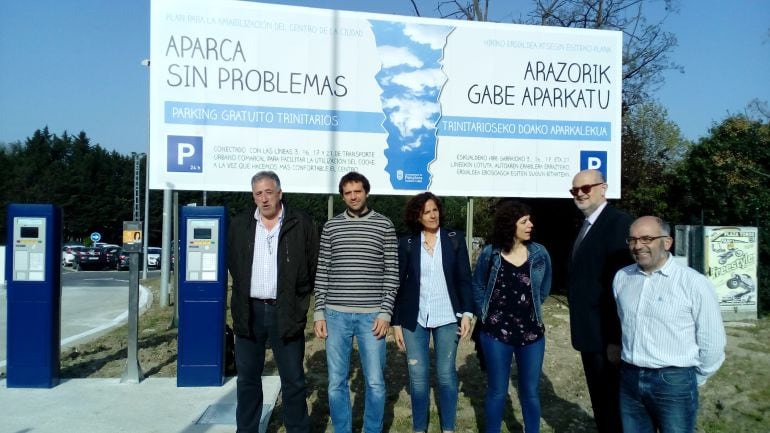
x=644 y=240
x=585 y=189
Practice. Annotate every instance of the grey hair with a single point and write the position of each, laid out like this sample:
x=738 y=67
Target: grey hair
x=266 y=174
x=665 y=228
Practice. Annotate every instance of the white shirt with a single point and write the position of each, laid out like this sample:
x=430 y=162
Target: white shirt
x=670 y=318
x=435 y=306
x=264 y=265
x=593 y=217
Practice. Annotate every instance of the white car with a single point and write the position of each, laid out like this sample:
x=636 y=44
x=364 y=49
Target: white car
x=153 y=257
x=68 y=254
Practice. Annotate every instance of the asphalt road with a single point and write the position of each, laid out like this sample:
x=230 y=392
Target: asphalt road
x=92 y=302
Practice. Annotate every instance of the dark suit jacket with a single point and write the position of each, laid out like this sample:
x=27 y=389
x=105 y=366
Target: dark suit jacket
x=457 y=272
x=594 y=319
x=297 y=252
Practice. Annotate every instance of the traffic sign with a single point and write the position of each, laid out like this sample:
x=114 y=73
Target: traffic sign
x=96 y=237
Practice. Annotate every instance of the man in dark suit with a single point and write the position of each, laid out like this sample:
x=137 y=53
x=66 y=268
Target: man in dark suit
x=598 y=252
x=272 y=258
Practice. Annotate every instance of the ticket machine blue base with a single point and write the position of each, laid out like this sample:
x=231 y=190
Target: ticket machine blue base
x=202 y=291
x=33 y=275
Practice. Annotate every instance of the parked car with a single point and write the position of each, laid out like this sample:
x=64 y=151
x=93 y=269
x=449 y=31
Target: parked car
x=104 y=245
x=123 y=262
x=112 y=255
x=68 y=254
x=90 y=258
x=153 y=257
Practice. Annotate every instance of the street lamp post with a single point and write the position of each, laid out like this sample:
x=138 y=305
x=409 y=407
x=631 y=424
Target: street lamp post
x=146 y=235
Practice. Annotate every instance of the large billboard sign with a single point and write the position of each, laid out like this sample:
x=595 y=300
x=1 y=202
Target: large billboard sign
x=730 y=262
x=455 y=107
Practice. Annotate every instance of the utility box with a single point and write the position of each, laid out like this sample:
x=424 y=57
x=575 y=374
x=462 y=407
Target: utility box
x=727 y=255
x=33 y=276
x=202 y=292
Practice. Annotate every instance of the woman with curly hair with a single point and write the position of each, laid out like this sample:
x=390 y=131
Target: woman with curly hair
x=434 y=299
x=510 y=283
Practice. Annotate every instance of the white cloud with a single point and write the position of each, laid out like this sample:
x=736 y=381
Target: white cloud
x=394 y=56
x=411 y=114
x=417 y=81
x=408 y=147
x=435 y=36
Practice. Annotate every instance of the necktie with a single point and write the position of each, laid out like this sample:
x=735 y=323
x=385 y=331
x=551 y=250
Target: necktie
x=580 y=236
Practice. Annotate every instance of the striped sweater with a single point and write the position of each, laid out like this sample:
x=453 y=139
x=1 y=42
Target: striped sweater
x=357 y=266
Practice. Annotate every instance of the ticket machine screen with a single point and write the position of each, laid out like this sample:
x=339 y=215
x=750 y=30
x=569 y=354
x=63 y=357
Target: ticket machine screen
x=199 y=233
x=29 y=232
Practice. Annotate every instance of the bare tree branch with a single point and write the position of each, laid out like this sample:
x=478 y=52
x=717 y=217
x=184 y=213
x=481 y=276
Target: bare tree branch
x=416 y=9
x=646 y=46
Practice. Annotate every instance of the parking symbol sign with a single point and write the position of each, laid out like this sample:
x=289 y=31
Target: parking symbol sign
x=185 y=154
x=594 y=160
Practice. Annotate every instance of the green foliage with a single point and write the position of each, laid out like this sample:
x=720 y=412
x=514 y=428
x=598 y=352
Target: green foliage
x=725 y=180
x=651 y=146
x=92 y=186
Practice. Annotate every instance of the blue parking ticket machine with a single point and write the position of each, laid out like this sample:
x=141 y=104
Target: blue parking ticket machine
x=33 y=275
x=202 y=291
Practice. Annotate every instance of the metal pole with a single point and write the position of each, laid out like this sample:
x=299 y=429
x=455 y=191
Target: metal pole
x=146 y=236
x=165 y=247
x=175 y=319
x=330 y=207
x=133 y=371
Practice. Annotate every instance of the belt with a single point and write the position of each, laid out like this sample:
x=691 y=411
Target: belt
x=630 y=366
x=265 y=301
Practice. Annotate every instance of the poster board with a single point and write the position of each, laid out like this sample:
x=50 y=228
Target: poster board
x=459 y=108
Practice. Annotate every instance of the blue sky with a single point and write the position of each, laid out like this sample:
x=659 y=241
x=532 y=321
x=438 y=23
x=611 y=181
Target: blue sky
x=76 y=65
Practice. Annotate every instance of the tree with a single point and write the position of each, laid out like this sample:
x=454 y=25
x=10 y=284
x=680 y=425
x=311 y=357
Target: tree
x=725 y=180
x=92 y=186
x=471 y=11
x=646 y=45
x=652 y=144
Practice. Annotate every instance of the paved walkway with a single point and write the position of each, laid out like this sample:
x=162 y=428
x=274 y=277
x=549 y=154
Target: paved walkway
x=155 y=405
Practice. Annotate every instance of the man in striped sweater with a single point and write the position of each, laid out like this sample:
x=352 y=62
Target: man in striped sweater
x=355 y=289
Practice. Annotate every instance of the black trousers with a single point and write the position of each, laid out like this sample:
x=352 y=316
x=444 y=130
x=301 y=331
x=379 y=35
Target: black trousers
x=603 y=379
x=250 y=362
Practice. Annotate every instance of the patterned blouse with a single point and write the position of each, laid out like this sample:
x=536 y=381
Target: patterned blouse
x=511 y=317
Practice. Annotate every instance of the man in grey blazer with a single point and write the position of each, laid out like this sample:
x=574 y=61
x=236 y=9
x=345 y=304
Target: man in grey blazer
x=598 y=252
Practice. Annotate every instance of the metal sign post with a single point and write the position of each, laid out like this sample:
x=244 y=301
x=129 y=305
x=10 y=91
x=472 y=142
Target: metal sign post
x=132 y=244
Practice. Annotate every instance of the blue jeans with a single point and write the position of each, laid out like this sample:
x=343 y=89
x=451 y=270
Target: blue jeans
x=658 y=399
x=417 y=343
x=529 y=363
x=342 y=327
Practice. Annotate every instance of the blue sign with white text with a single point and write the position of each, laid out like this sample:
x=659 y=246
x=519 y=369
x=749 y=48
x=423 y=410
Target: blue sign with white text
x=185 y=154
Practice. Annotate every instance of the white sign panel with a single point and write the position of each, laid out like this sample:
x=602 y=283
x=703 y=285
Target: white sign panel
x=455 y=107
x=730 y=258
